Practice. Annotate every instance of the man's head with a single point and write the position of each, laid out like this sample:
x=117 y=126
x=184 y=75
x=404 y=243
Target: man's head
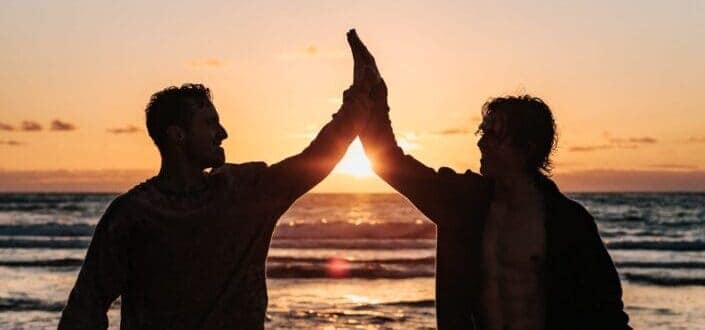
x=183 y=120
x=518 y=135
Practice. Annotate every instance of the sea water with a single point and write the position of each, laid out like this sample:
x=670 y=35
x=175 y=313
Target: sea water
x=360 y=260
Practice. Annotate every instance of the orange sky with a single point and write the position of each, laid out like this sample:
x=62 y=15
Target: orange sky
x=625 y=81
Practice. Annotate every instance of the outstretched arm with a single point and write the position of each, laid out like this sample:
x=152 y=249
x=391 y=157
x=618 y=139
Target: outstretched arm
x=296 y=175
x=429 y=190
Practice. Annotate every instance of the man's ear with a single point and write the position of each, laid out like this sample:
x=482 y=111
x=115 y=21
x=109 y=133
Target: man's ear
x=175 y=134
x=531 y=147
x=530 y=151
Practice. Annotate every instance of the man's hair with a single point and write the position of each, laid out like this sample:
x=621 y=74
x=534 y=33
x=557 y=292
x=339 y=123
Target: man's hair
x=174 y=106
x=530 y=126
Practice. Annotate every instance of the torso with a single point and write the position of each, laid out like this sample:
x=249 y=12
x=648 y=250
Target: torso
x=513 y=250
x=195 y=253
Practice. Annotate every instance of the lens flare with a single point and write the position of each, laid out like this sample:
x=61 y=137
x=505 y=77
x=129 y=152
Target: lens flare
x=337 y=268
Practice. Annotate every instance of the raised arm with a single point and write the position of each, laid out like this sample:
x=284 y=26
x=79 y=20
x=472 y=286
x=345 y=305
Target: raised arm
x=102 y=276
x=431 y=191
x=296 y=175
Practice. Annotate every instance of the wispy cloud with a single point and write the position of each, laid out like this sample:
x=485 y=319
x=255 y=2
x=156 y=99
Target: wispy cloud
x=408 y=141
x=637 y=140
x=30 y=126
x=208 y=62
x=696 y=139
x=58 y=125
x=590 y=148
x=455 y=131
x=312 y=52
x=631 y=180
x=71 y=180
x=124 y=130
x=616 y=143
x=674 y=166
x=6 y=127
x=11 y=143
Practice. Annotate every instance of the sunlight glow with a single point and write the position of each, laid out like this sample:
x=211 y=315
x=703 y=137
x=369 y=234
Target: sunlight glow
x=355 y=162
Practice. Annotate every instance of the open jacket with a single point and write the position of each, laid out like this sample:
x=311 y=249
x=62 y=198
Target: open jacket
x=581 y=283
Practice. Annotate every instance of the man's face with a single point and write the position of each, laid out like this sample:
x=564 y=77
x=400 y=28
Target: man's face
x=204 y=136
x=499 y=156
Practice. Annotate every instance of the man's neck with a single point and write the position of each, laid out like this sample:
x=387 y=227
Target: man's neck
x=515 y=189
x=178 y=175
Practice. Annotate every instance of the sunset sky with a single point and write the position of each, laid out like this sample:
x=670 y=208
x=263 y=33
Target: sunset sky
x=626 y=82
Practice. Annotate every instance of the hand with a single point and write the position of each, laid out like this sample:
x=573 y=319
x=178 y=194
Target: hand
x=357 y=100
x=366 y=76
x=363 y=59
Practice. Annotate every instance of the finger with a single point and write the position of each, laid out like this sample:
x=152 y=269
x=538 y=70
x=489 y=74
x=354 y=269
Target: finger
x=358 y=56
x=362 y=50
x=354 y=42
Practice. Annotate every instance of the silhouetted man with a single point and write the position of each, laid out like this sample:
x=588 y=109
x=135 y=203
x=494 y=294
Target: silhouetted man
x=186 y=249
x=512 y=252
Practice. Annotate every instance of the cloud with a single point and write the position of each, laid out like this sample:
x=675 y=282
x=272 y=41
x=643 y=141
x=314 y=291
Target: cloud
x=31 y=126
x=124 y=130
x=674 y=166
x=311 y=52
x=455 y=131
x=209 y=62
x=583 y=180
x=616 y=143
x=638 y=140
x=408 y=141
x=71 y=181
x=58 y=125
x=696 y=139
x=6 y=127
x=590 y=148
x=10 y=143
x=602 y=180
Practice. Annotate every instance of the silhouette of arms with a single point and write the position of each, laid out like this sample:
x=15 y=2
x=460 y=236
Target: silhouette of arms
x=298 y=174
x=432 y=192
x=102 y=275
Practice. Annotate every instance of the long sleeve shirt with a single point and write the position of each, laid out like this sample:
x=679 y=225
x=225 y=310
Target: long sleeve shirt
x=197 y=261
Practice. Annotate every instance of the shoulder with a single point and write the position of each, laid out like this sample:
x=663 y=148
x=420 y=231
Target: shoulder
x=578 y=213
x=574 y=222
x=468 y=176
x=468 y=179
x=116 y=217
x=238 y=174
x=465 y=184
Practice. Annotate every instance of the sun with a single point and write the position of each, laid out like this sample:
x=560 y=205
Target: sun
x=355 y=162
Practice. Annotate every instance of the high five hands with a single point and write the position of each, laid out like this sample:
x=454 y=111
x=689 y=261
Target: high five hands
x=368 y=91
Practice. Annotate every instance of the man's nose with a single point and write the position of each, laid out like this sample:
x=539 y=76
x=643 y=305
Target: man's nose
x=482 y=143
x=223 y=133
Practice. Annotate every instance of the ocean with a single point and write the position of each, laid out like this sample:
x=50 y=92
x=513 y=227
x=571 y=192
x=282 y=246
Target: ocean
x=361 y=261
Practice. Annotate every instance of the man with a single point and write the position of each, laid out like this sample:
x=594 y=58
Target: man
x=513 y=252
x=187 y=249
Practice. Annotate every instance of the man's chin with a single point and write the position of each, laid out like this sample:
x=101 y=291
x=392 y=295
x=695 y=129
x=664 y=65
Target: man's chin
x=219 y=162
x=485 y=172
x=216 y=160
